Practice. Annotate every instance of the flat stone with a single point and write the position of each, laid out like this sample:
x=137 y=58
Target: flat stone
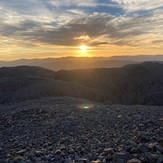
x=109 y=151
x=97 y=161
x=134 y=160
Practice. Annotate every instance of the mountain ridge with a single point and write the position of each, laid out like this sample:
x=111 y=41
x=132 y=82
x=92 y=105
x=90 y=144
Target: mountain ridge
x=131 y=84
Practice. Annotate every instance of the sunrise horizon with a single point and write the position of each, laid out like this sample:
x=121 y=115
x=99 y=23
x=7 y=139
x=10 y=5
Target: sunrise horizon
x=81 y=81
x=80 y=56
x=40 y=29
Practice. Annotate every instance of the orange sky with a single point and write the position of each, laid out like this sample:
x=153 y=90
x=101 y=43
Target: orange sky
x=52 y=28
x=15 y=53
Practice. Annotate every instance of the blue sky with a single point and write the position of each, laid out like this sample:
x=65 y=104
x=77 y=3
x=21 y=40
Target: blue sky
x=40 y=28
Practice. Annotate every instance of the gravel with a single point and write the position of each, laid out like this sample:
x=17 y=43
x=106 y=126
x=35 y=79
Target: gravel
x=73 y=130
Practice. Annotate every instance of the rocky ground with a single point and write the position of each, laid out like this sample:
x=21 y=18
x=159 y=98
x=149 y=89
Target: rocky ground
x=69 y=130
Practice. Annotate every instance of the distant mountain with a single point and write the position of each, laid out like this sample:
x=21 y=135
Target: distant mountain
x=139 y=58
x=131 y=84
x=69 y=63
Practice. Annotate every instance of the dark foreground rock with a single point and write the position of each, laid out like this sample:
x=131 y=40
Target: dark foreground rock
x=69 y=130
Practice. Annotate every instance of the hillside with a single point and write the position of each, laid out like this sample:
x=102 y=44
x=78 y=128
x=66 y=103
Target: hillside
x=131 y=84
x=47 y=116
x=73 y=130
x=139 y=58
x=25 y=83
x=69 y=63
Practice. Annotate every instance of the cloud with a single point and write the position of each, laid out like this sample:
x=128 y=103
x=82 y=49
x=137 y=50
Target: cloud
x=135 y=5
x=83 y=28
x=52 y=25
x=79 y=3
x=96 y=30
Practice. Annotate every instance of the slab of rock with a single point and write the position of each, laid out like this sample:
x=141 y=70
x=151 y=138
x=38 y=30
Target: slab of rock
x=134 y=160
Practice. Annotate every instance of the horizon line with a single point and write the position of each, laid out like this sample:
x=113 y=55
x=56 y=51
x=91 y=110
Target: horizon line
x=39 y=58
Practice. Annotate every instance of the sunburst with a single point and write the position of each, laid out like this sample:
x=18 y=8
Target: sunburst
x=83 y=48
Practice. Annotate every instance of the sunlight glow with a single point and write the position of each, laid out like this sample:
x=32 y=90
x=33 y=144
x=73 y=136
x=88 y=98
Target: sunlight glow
x=83 y=48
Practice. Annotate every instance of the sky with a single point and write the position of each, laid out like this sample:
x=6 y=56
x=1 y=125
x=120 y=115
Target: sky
x=58 y=28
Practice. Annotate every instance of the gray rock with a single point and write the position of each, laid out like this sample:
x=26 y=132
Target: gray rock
x=122 y=156
x=39 y=126
x=151 y=157
x=141 y=137
x=67 y=123
x=132 y=143
x=134 y=160
x=133 y=150
x=48 y=158
x=19 y=158
x=160 y=160
x=142 y=147
x=152 y=146
x=38 y=153
x=107 y=151
x=97 y=161
x=83 y=160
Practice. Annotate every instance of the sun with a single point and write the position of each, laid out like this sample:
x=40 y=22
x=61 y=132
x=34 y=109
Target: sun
x=83 y=48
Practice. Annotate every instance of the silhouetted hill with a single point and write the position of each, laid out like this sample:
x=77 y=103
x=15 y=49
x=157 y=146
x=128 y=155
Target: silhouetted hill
x=25 y=71
x=69 y=63
x=131 y=84
x=139 y=58
x=25 y=83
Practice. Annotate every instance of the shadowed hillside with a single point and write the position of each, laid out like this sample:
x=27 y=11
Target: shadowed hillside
x=36 y=127
x=25 y=83
x=69 y=63
x=131 y=84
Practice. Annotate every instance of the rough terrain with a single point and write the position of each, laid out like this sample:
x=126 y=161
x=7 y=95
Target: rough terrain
x=137 y=84
x=69 y=130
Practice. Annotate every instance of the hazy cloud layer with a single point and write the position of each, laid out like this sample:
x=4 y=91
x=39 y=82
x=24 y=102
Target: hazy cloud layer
x=135 y=5
x=78 y=3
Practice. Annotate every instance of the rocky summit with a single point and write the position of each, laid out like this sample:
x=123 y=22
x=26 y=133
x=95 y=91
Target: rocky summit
x=69 y=130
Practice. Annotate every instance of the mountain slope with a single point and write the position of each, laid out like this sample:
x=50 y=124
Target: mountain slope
x=24 y=83
x=131 y=84
x=139 y=58
x=69 y=63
